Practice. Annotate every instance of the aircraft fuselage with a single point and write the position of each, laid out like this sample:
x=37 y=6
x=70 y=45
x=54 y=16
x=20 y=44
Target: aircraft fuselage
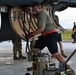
x=18 y=2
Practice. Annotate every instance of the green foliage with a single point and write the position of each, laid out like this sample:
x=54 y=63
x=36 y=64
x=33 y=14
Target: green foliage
x=66 y=35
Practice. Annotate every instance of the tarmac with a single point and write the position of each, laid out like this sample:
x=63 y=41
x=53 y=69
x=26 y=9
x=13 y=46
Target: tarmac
x=8 y=66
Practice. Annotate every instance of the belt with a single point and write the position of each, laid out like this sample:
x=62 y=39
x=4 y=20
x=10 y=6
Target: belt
x=52 y=31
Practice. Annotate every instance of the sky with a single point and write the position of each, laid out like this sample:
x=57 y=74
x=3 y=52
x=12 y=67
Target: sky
x=67 y=17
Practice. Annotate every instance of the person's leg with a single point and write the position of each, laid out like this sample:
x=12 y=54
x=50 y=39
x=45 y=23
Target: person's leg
x=61 y=49
x=14 y=50
x=59 y=40
x=19 y=47
x=53 y=48
x=75 y=37
x=38 y=44
x=20 y=54
x=14 y=53
x=60 y=58
x=54 y=51
x=60 y=45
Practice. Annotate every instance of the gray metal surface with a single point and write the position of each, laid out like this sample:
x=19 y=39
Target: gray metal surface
x=18 y=2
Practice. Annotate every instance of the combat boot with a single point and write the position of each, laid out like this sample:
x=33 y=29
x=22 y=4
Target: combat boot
x=30 y=68
x=22 y=57
x=73 y=41
x=62 y=52
x=15 y=58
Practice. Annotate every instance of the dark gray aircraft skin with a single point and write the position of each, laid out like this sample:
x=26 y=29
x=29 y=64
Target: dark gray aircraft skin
x=30 y=2
x=18 y=2
x=6 y=31
x=59 y=4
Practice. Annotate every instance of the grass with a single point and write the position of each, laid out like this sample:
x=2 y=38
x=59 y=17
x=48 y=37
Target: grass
x=66 y=35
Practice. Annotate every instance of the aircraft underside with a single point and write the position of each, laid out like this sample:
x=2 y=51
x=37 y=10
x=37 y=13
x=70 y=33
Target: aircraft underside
x=17 y=23
x=18 y=2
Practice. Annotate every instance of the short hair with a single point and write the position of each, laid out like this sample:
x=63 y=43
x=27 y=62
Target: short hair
x=36 y=4
x=43 y=3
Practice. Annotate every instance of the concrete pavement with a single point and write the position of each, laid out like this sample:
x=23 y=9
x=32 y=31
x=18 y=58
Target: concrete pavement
x=8 y=66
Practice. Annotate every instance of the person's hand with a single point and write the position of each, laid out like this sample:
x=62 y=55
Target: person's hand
x=30 y=35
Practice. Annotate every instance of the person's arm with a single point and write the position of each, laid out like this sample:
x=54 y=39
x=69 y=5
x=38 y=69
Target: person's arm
x=38 y=31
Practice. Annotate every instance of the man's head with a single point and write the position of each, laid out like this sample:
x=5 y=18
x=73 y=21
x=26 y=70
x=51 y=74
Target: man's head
x=36 y=7
x=74 y=24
